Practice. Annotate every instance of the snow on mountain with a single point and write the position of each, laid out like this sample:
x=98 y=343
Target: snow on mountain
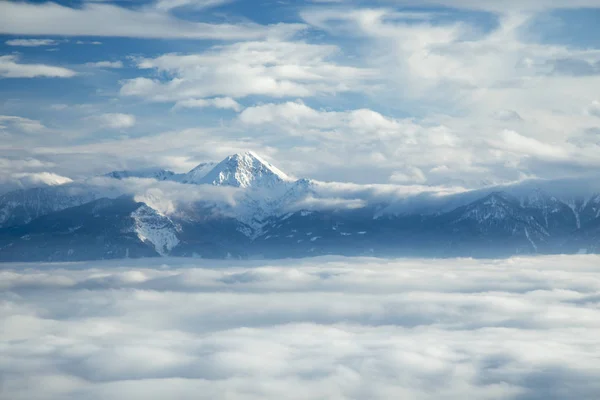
x=24 y=205
x=501 y=212
x=245 y=170
x=151 y=226
x=594 y=205
x=195 y=176
x=264 y=187
x=537 y=198
x=262 y=194
x=496 y=206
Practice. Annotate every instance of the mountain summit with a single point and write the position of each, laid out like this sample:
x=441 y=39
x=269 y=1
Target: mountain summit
x=245 y=170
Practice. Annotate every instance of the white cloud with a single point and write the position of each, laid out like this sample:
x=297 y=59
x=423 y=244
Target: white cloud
x=20 y=18
x=477 y=84
x=327 y=203
x=18 y=172
x=326 y=328
x=515 y=142
x=217 y=102
x=30 y=179
x=296 y=113
x=115 y=120
x=400 y=198
x=270 y=68
x=8 y=123
x=369 y=146
x=300 y=117
x=105 y=64
x=85 y=42
x=503 y=6
x=32 y=42
x=194 y=4
x=11 y=68
x=485 y=107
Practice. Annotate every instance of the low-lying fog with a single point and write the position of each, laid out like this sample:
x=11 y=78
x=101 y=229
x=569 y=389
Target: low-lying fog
x=324 y=328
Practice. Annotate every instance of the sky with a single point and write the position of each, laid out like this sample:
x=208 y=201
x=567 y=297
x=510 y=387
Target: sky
x=450 y=93
x=327 y=328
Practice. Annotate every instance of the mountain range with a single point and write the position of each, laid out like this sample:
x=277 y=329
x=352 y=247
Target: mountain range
x=244 y=207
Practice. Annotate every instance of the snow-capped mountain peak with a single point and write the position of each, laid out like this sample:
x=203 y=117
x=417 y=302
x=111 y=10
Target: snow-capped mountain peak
x=196 y=175
x=245 y=170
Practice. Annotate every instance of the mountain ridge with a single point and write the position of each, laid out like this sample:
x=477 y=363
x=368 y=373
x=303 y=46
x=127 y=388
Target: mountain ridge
x=274 y=215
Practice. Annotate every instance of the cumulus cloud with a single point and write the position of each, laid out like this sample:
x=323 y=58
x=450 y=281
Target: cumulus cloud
x=515 y=142
x=324 y=328
x=217 y=102
x=271 y=68
x=11 y=68
x=19 y=172
x=105 y=64
x=372 y=147
x=115 y=120
x=32 y=42
x=457 y=75
x=20 y=18
x=299 y=119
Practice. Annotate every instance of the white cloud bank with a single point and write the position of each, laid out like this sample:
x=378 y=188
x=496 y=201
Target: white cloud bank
x=11 y=68
x=335 y=328
x=271 y=68
x=32 y=42
x=20 y=18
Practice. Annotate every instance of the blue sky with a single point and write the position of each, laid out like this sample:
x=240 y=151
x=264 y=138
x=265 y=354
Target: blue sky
x=434 y=92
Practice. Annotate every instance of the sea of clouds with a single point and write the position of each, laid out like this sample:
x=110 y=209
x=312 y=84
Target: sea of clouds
x=323 y=328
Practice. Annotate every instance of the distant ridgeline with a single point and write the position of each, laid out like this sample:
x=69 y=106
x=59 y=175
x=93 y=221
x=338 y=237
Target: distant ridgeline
x=244 y=207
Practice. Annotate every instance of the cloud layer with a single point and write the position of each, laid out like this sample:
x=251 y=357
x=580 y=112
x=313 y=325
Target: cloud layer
x=20 y=18
x=271 y=68
x=523 y=328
